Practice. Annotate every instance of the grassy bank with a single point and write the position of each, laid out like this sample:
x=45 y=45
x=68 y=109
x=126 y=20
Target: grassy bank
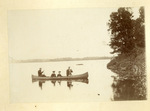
x=130 y=67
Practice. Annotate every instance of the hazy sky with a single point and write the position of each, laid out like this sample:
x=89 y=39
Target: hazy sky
x=37 y=34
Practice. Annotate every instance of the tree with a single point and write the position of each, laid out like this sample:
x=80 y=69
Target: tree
x=126 y=33
x=139 y=29
x=121 y=26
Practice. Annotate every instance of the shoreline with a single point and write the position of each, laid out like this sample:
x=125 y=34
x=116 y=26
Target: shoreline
x=57 y=60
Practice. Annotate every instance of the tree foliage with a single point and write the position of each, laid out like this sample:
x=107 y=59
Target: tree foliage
x=139 y=29
x=126 y=33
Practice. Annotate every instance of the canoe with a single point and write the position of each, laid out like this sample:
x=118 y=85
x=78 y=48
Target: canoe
x=80 y=76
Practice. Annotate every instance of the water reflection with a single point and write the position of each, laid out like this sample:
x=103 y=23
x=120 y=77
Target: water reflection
x=53 y=82
x=41 y=83
x=124 y=89
x=59 y=82
x=69 y=82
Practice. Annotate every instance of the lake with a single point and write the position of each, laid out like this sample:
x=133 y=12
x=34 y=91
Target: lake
x=96 y=89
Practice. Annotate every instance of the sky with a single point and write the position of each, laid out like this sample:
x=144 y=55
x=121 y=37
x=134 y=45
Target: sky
x=58 y=33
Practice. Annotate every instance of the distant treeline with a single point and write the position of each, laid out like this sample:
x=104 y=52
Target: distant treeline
x=59 y=59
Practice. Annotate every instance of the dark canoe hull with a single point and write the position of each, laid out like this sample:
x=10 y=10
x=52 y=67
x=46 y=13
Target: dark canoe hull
x=80 y=76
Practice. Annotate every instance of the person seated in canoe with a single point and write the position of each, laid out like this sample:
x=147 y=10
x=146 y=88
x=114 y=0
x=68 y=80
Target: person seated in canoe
x=69 y=71
x=59 y=75
x=53 y=74
x=40 y=72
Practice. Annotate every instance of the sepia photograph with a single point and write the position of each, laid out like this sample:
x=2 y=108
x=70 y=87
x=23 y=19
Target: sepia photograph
x=77 y=55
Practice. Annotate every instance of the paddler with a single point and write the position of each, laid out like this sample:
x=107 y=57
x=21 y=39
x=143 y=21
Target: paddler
x=40 y=72
x=69 y=71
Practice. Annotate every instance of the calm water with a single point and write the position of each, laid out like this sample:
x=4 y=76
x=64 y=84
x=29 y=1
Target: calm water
x=98 y=88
